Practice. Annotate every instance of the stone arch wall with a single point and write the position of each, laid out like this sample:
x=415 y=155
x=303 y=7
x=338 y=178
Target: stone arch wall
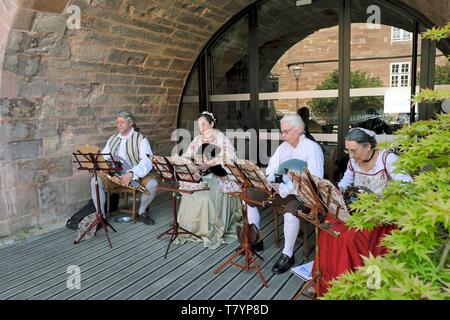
x=60 y=87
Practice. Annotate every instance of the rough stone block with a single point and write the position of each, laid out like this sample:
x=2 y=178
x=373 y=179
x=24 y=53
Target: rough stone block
x=151 y=90
x=157 y=62
x=49 y=23
x=120 y=90
x=21 y=108
x=51 y=194
x=136 y=33
x=126 y=57
x=4 y=229
x=24 y=201
x=139 y=45
x=181 y=65
x=43 y=170
x=178 y=53
x=145 y=81
x=173 y=83
x=19 y=41
x=114 y=78
x=12 y=131
x=78 y=188
x=103 y=39
x=27 y=149
x=3 y=207
x=127 y=69
x=90 y=53
x=26 y=20
x=108 y=4
x=37 y=88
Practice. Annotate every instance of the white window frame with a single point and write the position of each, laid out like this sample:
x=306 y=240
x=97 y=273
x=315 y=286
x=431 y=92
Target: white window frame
x=403 y=35
x=399 y=75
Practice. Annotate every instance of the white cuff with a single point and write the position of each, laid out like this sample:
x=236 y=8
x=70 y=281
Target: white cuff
x=286 y=189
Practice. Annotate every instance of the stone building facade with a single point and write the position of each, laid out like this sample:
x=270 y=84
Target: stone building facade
x=372 y=52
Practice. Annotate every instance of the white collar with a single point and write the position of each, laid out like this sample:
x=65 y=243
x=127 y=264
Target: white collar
x=300 y=142
x=128 y=135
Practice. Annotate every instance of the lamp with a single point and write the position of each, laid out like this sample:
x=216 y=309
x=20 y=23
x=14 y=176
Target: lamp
x=297 y=71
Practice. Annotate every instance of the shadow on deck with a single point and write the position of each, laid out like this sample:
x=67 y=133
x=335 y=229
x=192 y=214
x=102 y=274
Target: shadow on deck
x=135 y=267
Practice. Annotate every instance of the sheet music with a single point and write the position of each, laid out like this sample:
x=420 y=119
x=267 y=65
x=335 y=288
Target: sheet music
x=304 y=270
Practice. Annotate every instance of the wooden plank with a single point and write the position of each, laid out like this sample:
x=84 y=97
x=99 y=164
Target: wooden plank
x=207 y=278
x=103 y=270
x=254 y=290
x=227 y=280
x=66 y=247
x=151 y=272
x=190 y=271
x=38 y=277
x=38 y=241
x=204 y=278
x=93 y=249
x=46 y=250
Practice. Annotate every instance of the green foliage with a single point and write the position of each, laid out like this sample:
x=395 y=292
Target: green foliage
x=437 y=33
x=442 y=74
x=324 y=107
x=418 y=265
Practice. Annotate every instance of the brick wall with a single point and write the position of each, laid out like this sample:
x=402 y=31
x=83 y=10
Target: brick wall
x=371 y=50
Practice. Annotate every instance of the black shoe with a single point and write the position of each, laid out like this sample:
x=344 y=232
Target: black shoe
x=283 y=264
x=145 y=219
x=259 y=246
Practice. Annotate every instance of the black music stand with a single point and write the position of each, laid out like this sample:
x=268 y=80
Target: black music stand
x=248 y=178
x=171 y=174
x=90 y=159
x=312 y=198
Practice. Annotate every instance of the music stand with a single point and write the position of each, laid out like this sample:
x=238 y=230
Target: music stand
x=313 y=194
x=171 y=173
x=90 y=159
x=249 y=176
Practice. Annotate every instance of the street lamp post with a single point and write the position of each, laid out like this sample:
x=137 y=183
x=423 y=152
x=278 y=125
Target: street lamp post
x=297 y=70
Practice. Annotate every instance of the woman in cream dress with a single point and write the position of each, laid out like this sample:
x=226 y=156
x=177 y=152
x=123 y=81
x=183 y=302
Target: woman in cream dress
x=211 y=214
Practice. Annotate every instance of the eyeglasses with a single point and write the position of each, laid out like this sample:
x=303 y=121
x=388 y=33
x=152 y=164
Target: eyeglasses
x=286 y=131
x=353 y=152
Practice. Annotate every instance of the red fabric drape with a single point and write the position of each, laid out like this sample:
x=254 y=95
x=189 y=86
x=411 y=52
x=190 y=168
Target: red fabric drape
x=341 y=254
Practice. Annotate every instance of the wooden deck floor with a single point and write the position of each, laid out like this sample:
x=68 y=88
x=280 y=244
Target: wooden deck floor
x=135 y=267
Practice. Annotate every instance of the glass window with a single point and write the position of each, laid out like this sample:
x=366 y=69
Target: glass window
x=380 y=94
x=229 y=60
x=298 y=58
x=190 y=102
x=400 y=74
x=398 y=34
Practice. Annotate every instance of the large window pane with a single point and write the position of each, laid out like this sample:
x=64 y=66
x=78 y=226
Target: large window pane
x=229 y=60
x=298 y=52
x=381 y=64
x=190 y=103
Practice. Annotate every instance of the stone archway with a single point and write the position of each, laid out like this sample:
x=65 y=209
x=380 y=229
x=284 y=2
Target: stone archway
x=61 y=87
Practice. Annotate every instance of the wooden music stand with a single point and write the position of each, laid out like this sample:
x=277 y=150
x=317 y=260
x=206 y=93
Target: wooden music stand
x=90 y=159
x=318 y=198
x=171 y=173
x=249 y=176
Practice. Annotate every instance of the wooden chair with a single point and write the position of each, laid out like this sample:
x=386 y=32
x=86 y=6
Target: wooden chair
x=278 y=211
x=126 y=191
x=111 y=187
